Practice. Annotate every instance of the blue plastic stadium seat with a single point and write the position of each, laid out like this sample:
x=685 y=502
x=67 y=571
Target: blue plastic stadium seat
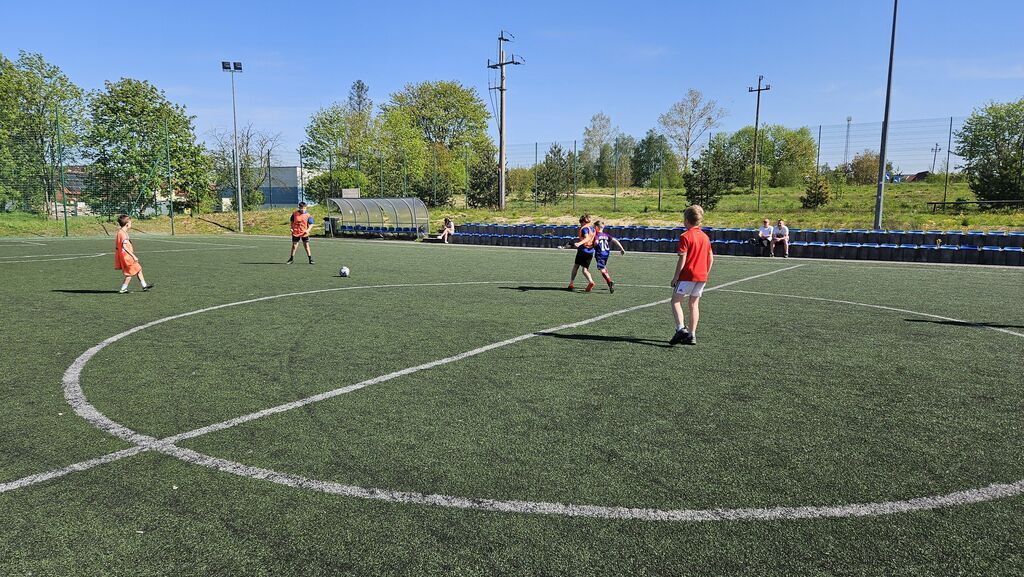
x=992 y=254
x=1015 y=239
x=1014 y=255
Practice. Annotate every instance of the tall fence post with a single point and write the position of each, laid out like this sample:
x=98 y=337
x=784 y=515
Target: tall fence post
x=575 y=163
x=301 y=192
x=60 y=168
x=661 y=169
x=270 y=181
x=466 y=199
x=170 y=186
x=405 y=178
x=615 y=180
x=817 y=163
x=536 y=183
x=949 y=144
x=434 y=185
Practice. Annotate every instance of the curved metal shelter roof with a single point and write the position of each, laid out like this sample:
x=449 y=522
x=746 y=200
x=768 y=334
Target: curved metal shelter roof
x=382 y=212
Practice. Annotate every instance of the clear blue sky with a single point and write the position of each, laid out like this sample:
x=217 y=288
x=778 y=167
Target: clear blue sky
x=824 y=59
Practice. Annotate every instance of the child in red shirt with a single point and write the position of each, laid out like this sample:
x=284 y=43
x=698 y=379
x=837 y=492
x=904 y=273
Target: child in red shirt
x=691 y=274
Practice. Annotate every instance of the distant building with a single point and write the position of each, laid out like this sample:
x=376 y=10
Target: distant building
x=285 y=188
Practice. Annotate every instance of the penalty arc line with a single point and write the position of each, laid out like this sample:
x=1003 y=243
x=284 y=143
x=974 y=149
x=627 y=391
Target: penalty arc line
x=76 y=397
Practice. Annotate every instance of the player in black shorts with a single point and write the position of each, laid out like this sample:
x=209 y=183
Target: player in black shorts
x=584 y=253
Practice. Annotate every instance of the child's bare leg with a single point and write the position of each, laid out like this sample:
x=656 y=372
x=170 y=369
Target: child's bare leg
x=677 y=311
x=127 y=280
x=305 y=245
x=142 y=279
x=586 y=273
x=575 y=269
x=607 y=277
x=694 y=313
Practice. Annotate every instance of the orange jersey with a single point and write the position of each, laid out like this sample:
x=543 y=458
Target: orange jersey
x=123 y=254
x=300 y=223
x=584 y=232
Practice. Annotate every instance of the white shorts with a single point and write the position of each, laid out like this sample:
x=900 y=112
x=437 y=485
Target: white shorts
x=690 y=288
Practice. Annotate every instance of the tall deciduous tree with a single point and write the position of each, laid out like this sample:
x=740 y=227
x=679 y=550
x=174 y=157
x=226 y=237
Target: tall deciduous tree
x=653 y=158
x=554 y=176
x=254 y=146
x=447 y=112
x=34 y=96
x=991 y=143
x=596 y=135
x=132 y=125
x=688 y=120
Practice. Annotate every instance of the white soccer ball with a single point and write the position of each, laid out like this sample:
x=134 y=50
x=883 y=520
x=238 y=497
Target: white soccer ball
x=344 y=271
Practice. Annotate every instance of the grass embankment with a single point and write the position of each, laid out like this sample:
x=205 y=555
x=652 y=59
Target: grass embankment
x=853 y=207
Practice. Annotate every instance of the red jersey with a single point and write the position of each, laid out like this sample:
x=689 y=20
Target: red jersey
x=301 y=221
x=697 y=246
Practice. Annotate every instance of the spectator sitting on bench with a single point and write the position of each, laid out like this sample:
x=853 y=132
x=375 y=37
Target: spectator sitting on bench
x=764 y=237
x=780 y=235
x=447 y=230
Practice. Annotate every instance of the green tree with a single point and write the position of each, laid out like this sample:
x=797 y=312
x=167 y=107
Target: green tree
x=554 y=177
x=483 y=177
x=329 y=184
x=446 y=112
x=792 y=154
x=688 y=120
x=622 y=148
x=653 y=158
x=34 y=94
x=710 y=175
x=131 y=125
x=864 y=167
x=991 y=143
x=338 y=136
x=817 y=193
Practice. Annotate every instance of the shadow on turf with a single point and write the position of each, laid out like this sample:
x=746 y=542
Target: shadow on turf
x=609 y=339
x=534 y=288
x=965 y=324
x=84 y=291
x=261 y=263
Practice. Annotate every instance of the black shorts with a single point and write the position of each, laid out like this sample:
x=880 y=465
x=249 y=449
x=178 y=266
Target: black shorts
x=304 y=239
x=584 y=258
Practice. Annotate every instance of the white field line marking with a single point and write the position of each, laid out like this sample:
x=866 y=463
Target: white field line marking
x=76 y=397
x=993 y=491
x=881 y=307
x=157 y=239
x=43 y=258
x=17 y=242
x=81 y=466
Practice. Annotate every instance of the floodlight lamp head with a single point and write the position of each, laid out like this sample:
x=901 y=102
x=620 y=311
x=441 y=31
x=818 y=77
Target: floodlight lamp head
x=237 y=66
x=225 y=66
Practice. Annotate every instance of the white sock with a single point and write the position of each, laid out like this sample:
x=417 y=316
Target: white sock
x=124 y=286
x=681 y=328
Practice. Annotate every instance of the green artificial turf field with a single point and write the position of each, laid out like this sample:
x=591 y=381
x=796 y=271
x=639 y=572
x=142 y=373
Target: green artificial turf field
x=836 y=418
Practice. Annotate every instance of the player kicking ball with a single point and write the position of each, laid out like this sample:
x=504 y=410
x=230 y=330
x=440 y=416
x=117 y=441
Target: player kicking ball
x=301 y=222
x=691 y=274
x=602 y=245
x=584 y=253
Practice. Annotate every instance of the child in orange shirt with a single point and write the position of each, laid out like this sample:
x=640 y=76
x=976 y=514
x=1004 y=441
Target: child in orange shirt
x=124 y=255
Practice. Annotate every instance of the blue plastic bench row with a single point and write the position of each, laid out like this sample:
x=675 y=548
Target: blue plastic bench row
x=919 y=237
x=904 y=252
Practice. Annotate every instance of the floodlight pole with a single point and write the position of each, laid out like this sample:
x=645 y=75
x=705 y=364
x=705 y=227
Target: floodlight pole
x=232 y=68
x=170 y=187
x=879 y=196
x=500 y=65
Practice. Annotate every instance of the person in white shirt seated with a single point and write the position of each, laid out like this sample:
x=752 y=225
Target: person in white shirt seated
x=764 y=236
x=447 y=230
x=780 y=235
